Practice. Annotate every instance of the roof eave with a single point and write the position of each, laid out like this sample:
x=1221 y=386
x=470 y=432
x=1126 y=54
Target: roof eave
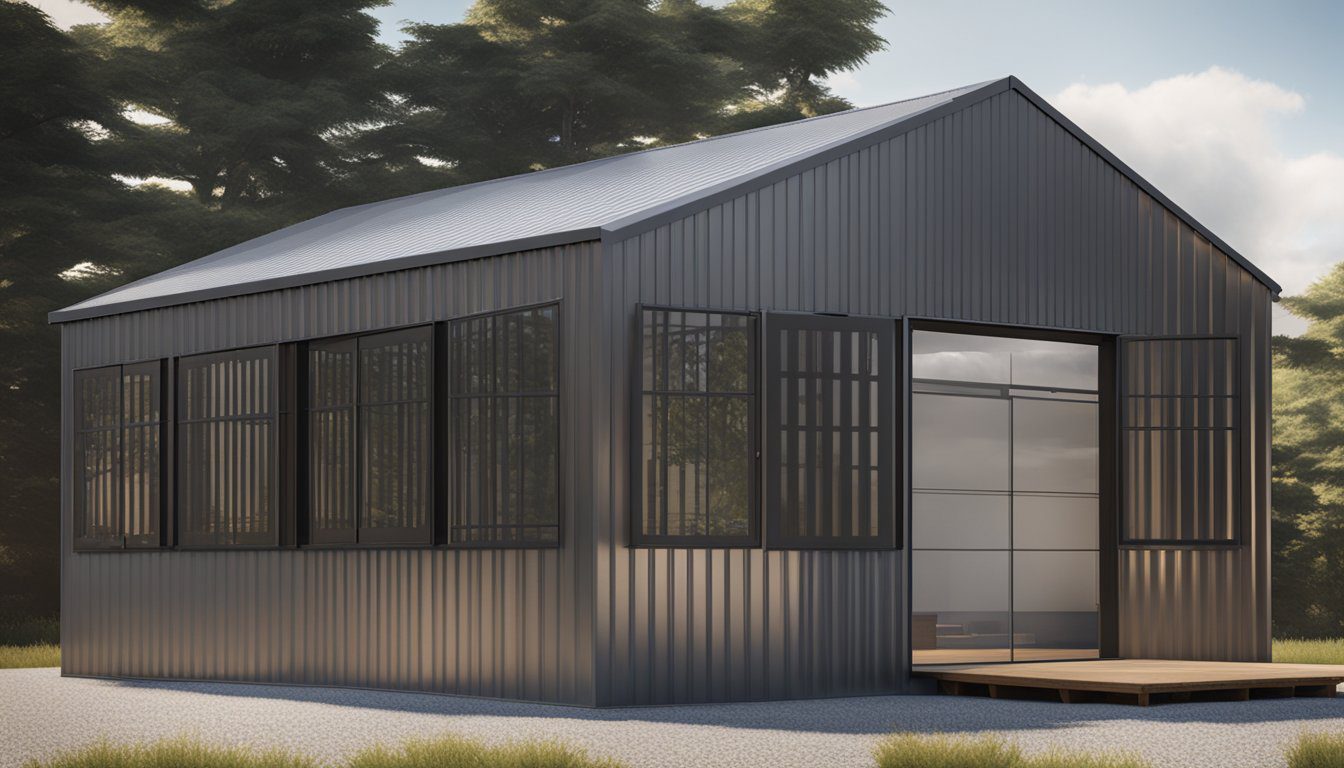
x=550 y=240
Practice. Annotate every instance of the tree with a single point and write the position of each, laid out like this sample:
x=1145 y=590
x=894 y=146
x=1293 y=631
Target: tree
x=1308 y=489
x=788 y=47
x=528 y=84
x=68 y=228
x=250 y=94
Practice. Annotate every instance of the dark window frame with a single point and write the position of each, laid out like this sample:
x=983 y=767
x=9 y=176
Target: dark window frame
x=361 y=537
x=252 y=541
x=1235 y=429
x=123 y=542
x=446 y=496
x=891 y=470
x=639 y=539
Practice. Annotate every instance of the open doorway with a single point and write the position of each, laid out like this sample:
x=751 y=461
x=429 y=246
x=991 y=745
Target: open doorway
x=1006 y=498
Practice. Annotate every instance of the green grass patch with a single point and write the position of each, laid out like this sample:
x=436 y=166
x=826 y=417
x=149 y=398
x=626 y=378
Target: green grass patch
x=913 y=750
x=22 y=656
x=1296 y=651
x=1317 y=750
x=445 y=752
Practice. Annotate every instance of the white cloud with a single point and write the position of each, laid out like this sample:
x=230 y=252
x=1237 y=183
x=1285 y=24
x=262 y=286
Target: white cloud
x=1207 y=140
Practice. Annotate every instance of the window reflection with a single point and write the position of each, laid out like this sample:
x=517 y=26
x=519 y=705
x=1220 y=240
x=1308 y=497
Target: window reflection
x=1004 y=441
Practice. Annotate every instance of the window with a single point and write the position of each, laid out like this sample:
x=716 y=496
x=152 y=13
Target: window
x=831 y=428
x=227 y=449
x=506 y=427
x=118 y=425
x=370 y=436
x=695 y=474
x=1181 y=443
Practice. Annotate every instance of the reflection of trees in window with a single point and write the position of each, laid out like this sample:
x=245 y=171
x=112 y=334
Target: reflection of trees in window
x=505 y=395
x=227 y=443
x=117 y=449
x=370 y=428
x=696 y=429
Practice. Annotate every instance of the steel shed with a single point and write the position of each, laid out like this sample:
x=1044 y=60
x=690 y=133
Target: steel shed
x=683 y=425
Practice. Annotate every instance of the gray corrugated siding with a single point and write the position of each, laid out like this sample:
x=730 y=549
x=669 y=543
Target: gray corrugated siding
x=506 y=623
x=992 y=214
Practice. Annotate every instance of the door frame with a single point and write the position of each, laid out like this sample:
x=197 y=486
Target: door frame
x=1108 y=470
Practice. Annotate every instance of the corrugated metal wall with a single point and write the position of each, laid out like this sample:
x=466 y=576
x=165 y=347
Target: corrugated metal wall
x=507 y=623
x=993 y=214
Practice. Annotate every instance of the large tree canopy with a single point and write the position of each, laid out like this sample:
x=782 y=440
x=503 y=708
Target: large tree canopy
x=1308 y=533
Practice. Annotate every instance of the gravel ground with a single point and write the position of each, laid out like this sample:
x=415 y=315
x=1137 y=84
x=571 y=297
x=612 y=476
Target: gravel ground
x=41 y=713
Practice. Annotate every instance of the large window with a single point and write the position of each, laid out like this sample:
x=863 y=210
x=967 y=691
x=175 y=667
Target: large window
x=506 y=427
x=227 y=449
x=831 y=432
x=1181 y=448
x=1005 y=498
x=695 y=474
x=118 y=425
x=370 y=436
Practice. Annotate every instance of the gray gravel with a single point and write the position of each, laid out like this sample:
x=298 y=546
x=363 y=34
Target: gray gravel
x=42 y=713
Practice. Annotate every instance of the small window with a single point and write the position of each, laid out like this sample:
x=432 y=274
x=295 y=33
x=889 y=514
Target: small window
x=118 y=417
x=831 y=432
x=227 y=449
x=370 y=432
x=695 y=431
x=1181 y=449
x=506 y=427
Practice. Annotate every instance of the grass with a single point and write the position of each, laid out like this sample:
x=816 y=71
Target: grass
x=446 y=752
x=912 y=750
x=22 y=656
x=1294 y=651
x=173 y=753
x=29 y=642
x=454 y=752
x=1317 y=750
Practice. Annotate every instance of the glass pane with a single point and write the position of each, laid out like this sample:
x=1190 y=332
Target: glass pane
x=729 y=363
x=730 y=466
x=960 y=521
x=140 y=480
x=227 y=452
x=960 y=443
x=331 y=435
x=1055 y=605
x=97 y=493
x=394 y=446
x=506 y=427
x=961 y=607
x=687 y=471
x=1055 y=446
x=1001 y=360
x=1055 y=522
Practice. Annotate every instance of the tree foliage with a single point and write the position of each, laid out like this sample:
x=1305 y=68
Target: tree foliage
x=1308 y=489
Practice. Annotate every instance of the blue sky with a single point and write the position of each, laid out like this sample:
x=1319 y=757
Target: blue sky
x=1234 y=109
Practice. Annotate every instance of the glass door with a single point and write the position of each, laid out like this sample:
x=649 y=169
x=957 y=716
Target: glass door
x=1004 y=499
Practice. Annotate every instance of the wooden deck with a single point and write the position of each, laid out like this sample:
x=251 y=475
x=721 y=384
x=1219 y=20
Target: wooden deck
x=1136 y=681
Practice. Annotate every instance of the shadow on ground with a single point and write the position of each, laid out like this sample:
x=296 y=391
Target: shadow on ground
x=861 y=715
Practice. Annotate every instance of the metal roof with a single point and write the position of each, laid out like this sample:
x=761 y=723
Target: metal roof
x=602 y=199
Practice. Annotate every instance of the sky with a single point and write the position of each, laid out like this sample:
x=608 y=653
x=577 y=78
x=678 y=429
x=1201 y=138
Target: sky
x=1235 y=110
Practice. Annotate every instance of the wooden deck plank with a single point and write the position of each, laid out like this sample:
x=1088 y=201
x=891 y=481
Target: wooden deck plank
x=1144 y=677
